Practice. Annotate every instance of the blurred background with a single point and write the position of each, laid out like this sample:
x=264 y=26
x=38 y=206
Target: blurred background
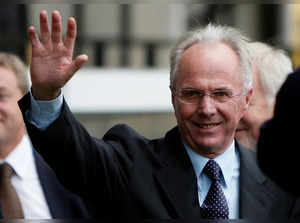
x=127 y=76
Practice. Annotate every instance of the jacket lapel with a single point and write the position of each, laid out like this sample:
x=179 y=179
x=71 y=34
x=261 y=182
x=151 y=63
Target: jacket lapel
x=177 y=178
x=255 y=200
x=50 y=187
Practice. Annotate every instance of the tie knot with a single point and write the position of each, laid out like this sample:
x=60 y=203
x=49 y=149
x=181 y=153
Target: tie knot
x=5 y=171
x=212 y=170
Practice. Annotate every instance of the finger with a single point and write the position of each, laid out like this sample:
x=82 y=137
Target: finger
x=71 y=34
x=56 y=27
x=77 y=63
x=44 y=27
x=34 y=39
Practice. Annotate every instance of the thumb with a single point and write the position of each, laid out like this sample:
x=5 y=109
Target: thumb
x=77 y=63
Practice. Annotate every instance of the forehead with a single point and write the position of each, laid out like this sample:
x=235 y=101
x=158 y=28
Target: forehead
x=210 y=61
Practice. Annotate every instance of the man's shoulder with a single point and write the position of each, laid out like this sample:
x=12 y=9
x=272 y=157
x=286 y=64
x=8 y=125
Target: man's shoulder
x=125 y=138
x=126 y=132
x=123 y=130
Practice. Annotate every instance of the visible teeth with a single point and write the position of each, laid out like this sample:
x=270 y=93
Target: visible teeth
x=207 y=126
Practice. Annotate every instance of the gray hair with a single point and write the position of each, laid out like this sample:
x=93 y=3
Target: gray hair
x=13 y=62
x=228 y=35
x=273 y=67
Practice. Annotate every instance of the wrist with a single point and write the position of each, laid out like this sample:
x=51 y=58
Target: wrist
x=45 y=95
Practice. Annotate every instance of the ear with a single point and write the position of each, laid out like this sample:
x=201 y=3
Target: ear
x=248 y=98
x=172 y=96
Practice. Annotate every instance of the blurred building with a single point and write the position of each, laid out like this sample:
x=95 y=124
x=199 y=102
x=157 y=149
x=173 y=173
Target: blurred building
x=13 y=22
x=134 y=41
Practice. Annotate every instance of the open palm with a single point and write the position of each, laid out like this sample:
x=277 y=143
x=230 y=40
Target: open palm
x=52 y=63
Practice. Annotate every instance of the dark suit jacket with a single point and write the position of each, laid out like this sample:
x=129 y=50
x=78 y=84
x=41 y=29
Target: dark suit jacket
x=61 y=203
x=130 y=178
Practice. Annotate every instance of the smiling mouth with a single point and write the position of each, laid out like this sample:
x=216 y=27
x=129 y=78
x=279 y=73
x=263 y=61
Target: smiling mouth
x=207 y=126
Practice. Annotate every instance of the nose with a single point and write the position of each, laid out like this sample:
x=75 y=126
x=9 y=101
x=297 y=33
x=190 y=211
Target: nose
x=206 y=106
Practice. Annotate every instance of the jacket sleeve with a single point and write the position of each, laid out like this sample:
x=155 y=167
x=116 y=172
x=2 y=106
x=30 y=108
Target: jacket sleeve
x=95 y=169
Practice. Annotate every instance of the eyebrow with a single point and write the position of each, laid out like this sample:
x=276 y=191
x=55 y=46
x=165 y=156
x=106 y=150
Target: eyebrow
x=223 y=89
x=216 y=89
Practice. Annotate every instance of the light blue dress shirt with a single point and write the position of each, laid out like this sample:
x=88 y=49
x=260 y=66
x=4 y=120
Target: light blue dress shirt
x=43 y=113
x=229 y=162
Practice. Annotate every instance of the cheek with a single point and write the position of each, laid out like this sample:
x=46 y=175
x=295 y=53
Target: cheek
x=247 y=118
x=183 y=111
x=257 y=115
x=235 y=110
x=3 y=110
x=10 y=111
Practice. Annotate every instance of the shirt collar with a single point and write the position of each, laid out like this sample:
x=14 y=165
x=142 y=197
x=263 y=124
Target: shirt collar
x=21 y=158
x=228 y=162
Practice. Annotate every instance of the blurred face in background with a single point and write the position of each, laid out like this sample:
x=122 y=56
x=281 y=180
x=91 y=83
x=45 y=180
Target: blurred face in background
x=208 y=124
x=12 y=126
x=258 y=112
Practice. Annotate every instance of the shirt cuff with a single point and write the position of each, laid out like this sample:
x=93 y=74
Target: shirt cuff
x=44 y=113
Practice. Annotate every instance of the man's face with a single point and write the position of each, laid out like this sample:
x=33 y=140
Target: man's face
x=208 y=126
x=258 y=112
x=11 y=122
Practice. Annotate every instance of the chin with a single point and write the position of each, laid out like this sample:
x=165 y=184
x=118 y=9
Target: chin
x=209 y=147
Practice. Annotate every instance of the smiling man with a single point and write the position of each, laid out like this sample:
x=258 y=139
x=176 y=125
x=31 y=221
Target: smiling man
x=209 y=97
x=196 y=170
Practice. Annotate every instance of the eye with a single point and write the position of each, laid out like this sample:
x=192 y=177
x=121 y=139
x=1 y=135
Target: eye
x=222 y=94
x=189 y=93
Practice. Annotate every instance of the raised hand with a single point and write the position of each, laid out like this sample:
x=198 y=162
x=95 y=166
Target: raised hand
x=52 y=63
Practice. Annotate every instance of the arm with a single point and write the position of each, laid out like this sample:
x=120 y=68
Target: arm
x=44 y=113
x=83 y=164
x=52 y=65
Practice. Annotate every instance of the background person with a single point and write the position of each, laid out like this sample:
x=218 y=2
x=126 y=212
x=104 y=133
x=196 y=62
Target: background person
x=277 y=148
x=40 y=195
x=271 y=66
